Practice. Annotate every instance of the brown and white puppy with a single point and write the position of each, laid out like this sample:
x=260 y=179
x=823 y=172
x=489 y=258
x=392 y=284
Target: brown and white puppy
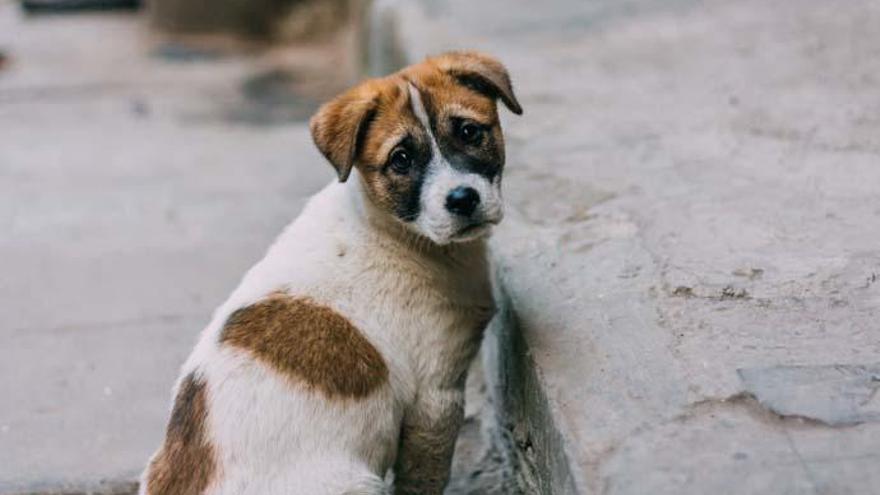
x=343 y=353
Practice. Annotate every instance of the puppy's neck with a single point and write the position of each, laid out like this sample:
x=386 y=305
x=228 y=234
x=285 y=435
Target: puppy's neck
x=385 y=226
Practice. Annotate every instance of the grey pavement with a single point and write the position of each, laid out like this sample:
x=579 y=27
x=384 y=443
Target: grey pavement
x=139 y=179
x=692 y=260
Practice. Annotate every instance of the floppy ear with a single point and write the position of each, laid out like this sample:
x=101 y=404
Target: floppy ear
x=339 y=127
x=481 y=73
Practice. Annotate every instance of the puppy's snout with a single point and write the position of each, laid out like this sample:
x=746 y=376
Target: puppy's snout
x=462 y=201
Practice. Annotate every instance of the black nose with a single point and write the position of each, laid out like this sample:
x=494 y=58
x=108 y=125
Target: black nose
x=463 y=201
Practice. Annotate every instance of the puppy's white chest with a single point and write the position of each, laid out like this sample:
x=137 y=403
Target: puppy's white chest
x=446 y=336
x=427 y=320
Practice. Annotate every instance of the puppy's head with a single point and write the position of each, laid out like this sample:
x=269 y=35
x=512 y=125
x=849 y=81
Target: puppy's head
x=427 y=143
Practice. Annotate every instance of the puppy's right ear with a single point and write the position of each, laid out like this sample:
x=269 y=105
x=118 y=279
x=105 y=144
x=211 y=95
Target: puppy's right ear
x=339 y=128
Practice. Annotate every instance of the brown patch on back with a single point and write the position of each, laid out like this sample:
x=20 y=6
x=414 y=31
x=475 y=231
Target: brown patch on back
x=308 y=343
x=185 y=464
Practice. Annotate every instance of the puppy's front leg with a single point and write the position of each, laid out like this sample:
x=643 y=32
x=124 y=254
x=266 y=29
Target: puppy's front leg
x=427 y=442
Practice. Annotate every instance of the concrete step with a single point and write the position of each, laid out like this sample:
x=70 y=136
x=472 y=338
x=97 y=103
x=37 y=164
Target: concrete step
x=689 y=264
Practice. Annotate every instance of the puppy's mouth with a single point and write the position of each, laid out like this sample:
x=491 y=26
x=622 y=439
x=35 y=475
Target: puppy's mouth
x=473 y=231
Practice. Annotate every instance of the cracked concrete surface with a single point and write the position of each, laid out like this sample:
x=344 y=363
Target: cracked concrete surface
x=837 y=395
x=692 y=255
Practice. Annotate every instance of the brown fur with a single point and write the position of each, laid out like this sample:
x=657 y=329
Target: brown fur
x=308 y=343
x=391 y=121
x=446 y=97
x=185 y=464
x=480 y=72
x=362 y=126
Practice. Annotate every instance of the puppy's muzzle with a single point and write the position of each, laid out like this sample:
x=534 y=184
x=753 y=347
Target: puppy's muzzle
x=462 y=201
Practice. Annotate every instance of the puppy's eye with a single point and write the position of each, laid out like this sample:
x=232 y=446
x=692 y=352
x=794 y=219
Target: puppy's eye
x=470 y=133
x=400 y=161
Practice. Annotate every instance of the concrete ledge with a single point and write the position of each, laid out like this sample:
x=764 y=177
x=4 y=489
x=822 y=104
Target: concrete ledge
x=690 y=292
x=524 y=427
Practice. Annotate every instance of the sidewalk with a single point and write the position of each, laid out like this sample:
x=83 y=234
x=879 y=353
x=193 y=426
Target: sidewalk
x=139 y=179
x=692 y=255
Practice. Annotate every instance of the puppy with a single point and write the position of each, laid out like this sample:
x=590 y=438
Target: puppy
x=344 y=352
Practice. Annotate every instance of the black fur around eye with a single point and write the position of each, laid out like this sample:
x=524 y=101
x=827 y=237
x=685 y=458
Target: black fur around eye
x=400 y=161
x=469 y=133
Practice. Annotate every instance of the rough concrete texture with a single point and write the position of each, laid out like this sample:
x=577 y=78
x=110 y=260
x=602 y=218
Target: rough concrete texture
x=692 y=254
x=837 y=395
x=480 y=464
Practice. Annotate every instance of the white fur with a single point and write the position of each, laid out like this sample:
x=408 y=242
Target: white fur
x=421 y=305
x=435 y=221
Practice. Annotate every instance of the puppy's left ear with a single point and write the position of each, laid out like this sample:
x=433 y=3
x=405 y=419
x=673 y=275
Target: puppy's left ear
x=339 y=127
x=481 y=73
